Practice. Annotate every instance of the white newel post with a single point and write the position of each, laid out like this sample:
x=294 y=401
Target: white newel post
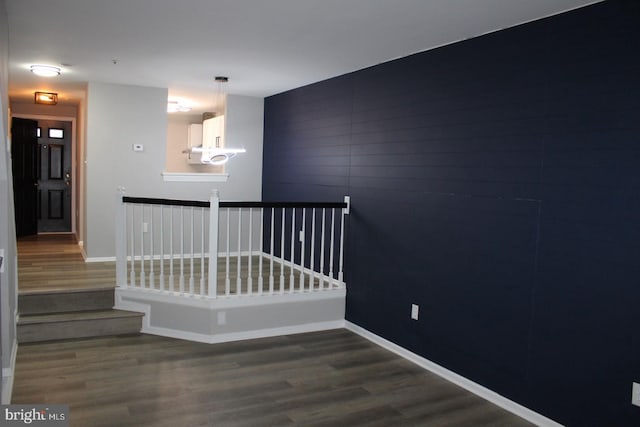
x=121 y=240
x=214 y=208
x=345 y=211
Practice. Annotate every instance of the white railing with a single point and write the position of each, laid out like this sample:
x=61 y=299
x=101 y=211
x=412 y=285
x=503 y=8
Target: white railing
x=262 y=248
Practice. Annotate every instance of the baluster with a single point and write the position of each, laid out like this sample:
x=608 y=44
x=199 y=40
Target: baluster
x=142 y=274
x=333 y=221
x=161 y=247
x=250 y=264
x=302 y=244
x=181 y=250
x=239 y=264
x=321 y=286
x=202 y=233
x=132 y=273
x=273 y=214
x=282 y=226
x=151 y=248
x=313 y=250
x=227 y=280
x=191 y=255
x=293 y=250
x=171 y=253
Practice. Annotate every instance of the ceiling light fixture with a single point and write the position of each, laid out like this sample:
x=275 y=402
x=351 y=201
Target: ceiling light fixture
x=177 y=106
x=215 y=155
x=45 y=70
x=46 y=98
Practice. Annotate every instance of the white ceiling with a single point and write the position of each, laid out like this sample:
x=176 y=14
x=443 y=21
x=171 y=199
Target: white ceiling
x=265 y=47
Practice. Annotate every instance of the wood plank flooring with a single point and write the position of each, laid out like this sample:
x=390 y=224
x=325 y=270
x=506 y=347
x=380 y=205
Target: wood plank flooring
x=54 y=262
x=330 y=378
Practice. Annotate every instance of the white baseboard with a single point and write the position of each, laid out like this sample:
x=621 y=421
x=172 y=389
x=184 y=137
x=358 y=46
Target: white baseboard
x=8 y=375
x=99 y=258
x=459 y=380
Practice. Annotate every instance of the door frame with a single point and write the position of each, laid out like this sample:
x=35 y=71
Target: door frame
x=73 y=156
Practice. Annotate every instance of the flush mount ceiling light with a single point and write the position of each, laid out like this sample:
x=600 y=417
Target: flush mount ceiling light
x=177 y=106
x=45 y=70
x=47 y=98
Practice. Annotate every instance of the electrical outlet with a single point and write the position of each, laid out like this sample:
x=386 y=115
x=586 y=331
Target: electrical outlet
x=635 y=394
x=415 y=309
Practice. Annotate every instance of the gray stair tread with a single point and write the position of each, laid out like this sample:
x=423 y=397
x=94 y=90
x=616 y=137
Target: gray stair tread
x=66 y=291
x=31 y=319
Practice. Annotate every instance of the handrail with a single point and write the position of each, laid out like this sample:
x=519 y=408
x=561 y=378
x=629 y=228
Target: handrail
x=201 y=204
x=166 y=202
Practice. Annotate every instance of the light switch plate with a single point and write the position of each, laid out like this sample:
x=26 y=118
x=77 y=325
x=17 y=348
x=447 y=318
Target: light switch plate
x=138 y=147
x=635 y=394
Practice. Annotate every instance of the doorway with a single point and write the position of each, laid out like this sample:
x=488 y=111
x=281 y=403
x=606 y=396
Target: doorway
x=54 y=176
x=52 y=204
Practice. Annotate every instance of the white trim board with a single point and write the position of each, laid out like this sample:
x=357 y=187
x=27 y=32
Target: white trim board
x=8 y=375
x=146 y=295
x=239 y=336
x=475 y=388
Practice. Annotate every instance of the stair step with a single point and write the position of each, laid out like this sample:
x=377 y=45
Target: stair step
x=79 y=324
x=58 y=301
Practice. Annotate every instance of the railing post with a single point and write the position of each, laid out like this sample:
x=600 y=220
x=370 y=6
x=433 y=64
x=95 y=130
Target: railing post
x=345 y=211
x=214 y=207
x=121 y=239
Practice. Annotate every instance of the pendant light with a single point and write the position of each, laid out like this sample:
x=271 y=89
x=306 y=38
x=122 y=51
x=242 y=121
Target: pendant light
x=217 y=155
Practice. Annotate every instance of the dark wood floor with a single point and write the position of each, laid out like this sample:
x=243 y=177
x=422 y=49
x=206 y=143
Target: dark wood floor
x=331 y=378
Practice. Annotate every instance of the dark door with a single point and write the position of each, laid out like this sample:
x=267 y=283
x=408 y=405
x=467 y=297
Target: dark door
x=54 y=183
x=24 y=155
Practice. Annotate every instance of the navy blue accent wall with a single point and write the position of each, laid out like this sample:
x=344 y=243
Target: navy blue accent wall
x=496 y=183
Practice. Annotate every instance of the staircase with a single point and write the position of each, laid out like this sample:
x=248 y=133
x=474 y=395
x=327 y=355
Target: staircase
x=49 y=315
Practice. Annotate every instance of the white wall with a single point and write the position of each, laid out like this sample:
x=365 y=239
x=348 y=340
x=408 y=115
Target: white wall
x=8 y=278
x=119 y=116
